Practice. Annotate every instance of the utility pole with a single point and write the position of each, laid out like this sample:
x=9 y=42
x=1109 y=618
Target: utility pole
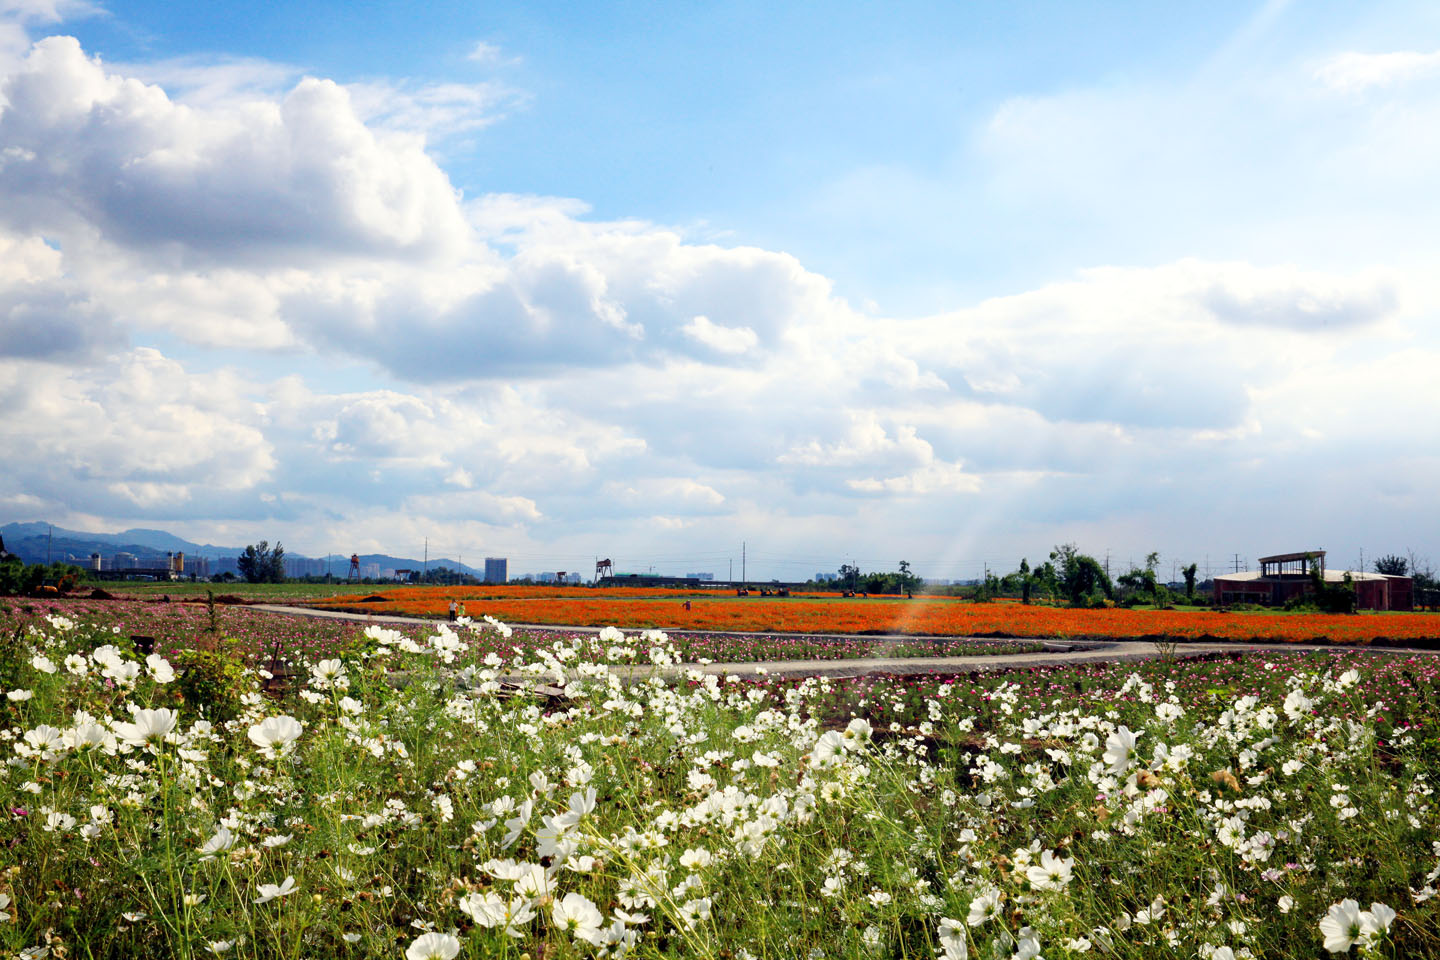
x=1237 y=563
x=1107 y=563
x=731 y=577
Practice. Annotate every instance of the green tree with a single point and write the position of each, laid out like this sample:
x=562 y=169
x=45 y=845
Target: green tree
x=1393 y=565
x=12 y=574
x=1340 y=599
x=1190 y=572
x=1143 y=582
x=1078 y=575
x=909 y=583
x=1026 y=580
x=261 y=563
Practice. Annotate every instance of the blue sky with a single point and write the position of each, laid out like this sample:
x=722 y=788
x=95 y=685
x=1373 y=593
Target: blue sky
x=953 y=282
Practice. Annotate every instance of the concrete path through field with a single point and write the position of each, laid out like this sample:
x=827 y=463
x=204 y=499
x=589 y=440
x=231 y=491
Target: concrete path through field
x=1054 y=653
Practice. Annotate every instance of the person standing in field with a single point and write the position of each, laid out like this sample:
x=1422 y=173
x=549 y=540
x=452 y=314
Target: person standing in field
x=452 y=611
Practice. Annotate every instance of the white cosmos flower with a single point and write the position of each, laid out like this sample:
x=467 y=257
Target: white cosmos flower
x=433 y=946
x=857 y=730
x=1051 y=873
x=149 y=726
x=276 y=736
x=1341 y=927
x=1297 y=705
x=695 y=911
x=582 y=803
x=1376 y=921
x=87 y=735
x=123 y=672
x=42 y=663
x=696 y=859
x=827 y=749
x=160 y=669
x=578 y=916
x=533 y=882
x=269 y=891
x=328 y=673
x=516 y=824
x=45 y=739
x=521 y=913
x=1118 y=748
x=223 y=840
x=383 y=636
x=952 y=939
x=106 y=654
x=486 y=909
x=984 y=907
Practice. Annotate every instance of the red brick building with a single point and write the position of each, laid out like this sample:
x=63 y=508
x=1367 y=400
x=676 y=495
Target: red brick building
x=1287 y=575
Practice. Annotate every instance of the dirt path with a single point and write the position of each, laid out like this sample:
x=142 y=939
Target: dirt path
x=1054 y=653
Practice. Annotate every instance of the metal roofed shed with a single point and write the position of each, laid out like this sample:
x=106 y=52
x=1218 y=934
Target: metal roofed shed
x=1292 y=564
x=1284 y=576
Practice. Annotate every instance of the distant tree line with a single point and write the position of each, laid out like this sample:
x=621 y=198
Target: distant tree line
x=19 y=577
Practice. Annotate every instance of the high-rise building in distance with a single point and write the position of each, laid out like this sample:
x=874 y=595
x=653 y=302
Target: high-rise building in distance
x=496 y=570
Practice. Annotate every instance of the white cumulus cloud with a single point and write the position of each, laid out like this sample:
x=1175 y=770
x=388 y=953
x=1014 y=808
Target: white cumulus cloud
x=731 y=340
x=1351 y=72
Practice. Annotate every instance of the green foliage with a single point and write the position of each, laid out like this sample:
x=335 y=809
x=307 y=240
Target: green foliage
x=12 y=659
x=1395 y=566
x=12 y=574
x=260 y=563
x=18 y=577
x=1328 y=599
x=901 y=582
x=212 y=613
x=213 y=681
x=1080 y=577
x=1189 y=573
x=1142 y=586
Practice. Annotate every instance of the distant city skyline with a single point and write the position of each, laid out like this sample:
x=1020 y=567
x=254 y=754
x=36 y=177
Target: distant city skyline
x=766 y=566
x=945 y=283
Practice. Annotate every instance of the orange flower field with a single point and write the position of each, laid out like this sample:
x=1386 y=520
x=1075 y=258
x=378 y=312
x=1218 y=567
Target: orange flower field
x=931 y=616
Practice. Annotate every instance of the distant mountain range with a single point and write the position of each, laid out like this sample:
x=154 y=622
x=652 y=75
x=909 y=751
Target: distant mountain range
x=34 y=543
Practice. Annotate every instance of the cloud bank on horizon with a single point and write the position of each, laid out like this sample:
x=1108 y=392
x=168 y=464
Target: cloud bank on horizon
x=241 y=301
